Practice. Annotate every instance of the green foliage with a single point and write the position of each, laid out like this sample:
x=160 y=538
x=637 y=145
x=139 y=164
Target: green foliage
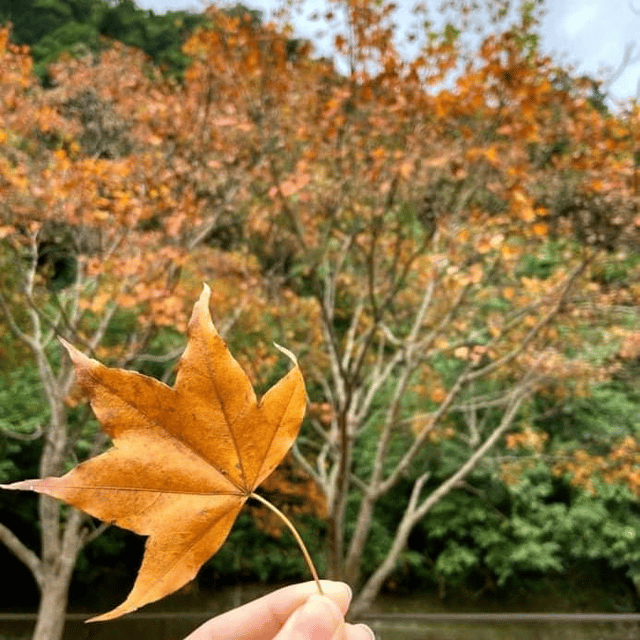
x=543 y=264
x=23 y=409
x=72 y=36
x=608 y=414
x=501 y=530
x=604 y=526
x=160 y=36
x=50 y=27
x=539 y=525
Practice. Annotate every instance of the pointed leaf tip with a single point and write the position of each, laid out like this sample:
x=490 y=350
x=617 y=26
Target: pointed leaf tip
x=67 y=345
x=71 y=350
x=110 y=615
x=77 y=357
x=201 y=307
x=206 y=291
x=21 y=485
x=286 y=352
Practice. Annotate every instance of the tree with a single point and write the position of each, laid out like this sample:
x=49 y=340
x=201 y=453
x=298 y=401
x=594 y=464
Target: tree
x=84 y=256
x=81 y=26
x=427 y=234
x=444 y=243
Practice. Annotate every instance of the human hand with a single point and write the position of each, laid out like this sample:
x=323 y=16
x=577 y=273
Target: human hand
x=296 y=612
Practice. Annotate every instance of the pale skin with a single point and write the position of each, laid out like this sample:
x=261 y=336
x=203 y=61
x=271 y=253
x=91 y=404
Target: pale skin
x=296 y=612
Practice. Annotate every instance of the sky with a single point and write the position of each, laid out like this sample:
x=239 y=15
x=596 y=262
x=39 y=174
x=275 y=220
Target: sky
x=590 y=35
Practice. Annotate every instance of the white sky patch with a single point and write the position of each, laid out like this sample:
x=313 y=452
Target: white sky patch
x=581 y=17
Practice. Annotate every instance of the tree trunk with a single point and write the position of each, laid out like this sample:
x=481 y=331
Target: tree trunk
x=372 y=586
x=53 y=605
x=56 y=572
x=334 y=549
x=415 y=510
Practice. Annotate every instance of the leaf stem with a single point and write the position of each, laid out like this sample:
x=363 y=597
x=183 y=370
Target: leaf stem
x=296 y=535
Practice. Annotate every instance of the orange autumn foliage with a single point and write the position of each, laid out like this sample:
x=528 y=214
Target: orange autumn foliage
x=621 y=465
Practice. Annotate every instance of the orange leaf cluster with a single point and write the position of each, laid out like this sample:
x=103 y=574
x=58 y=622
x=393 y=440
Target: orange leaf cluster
x=621 y=465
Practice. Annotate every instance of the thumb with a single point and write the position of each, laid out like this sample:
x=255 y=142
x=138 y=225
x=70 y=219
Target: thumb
x=319 y=618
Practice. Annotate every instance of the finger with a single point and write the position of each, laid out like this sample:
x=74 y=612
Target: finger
x=261 y=619
x=358 y=632
x=319 y=618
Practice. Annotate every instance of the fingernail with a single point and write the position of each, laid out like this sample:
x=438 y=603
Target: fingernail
x=319 y=617
x=368 y=629
x=350 y=590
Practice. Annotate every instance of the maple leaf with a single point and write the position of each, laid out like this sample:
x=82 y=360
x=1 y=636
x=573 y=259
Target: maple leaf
x=184 y=458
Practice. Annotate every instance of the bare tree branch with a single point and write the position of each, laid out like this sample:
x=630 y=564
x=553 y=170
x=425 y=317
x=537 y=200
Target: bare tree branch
x=535 y=330
x=13 y=325
x=628 y=59
x=416 y=510
x=22 y=552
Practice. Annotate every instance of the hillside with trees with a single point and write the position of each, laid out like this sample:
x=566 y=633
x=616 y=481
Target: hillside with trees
x=80 y=27
x=448 y=243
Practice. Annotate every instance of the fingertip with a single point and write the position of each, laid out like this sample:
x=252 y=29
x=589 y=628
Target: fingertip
x=359 y=631
x=339 y=592
x=368 y=630
x=316 y=602
x=318 y=618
